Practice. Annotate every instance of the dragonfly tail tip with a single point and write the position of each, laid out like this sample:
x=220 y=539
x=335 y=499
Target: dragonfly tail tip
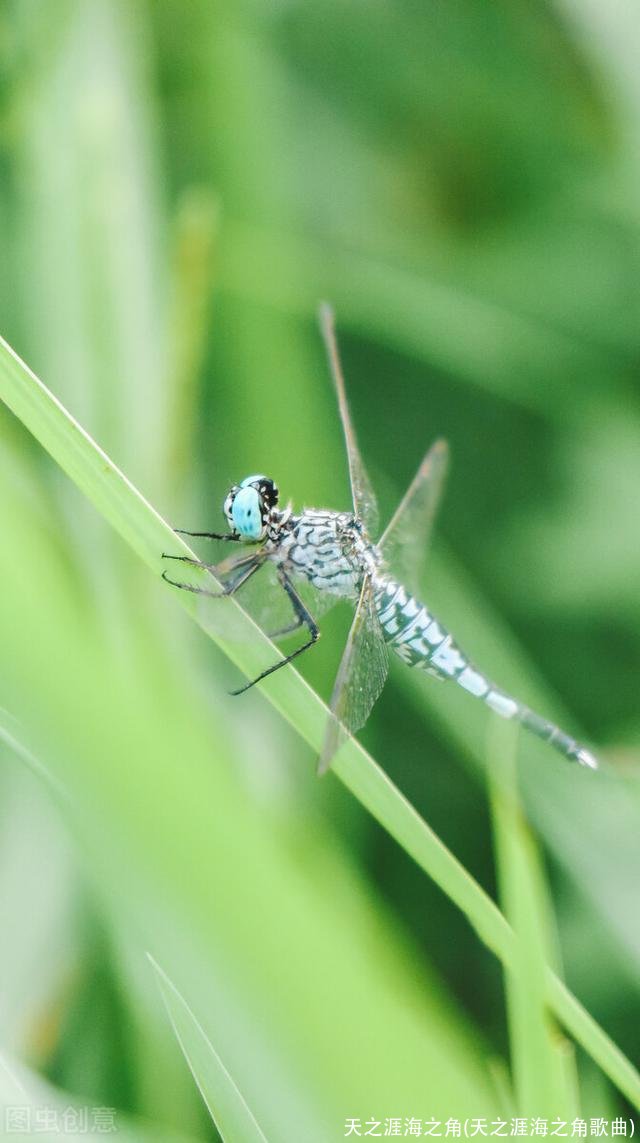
x=586 y=758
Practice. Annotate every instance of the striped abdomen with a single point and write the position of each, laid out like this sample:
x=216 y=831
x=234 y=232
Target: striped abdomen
x=422 y=642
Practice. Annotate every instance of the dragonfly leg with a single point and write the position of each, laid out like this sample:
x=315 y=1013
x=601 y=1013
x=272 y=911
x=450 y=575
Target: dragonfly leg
x=187 y=560
x=304 y=618
x=245 y=569
x=229 y=536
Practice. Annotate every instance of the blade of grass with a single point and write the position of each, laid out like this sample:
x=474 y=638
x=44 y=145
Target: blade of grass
x=88 y=120
x=226 y=1104
x=538 y=1079
x=149 y=535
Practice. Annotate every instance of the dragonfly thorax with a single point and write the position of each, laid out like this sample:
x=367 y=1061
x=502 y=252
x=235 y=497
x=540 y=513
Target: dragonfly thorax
x=328 y=549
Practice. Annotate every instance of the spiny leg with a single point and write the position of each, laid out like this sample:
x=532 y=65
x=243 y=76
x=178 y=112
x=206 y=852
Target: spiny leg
x=230 y=537
x=245 y=567
x=305 y=618
x=224 y=567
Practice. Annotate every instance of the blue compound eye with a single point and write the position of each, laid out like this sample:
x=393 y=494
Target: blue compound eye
x=246 y=513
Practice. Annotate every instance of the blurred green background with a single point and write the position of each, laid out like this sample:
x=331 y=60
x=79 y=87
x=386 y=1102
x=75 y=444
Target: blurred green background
x=180 y=184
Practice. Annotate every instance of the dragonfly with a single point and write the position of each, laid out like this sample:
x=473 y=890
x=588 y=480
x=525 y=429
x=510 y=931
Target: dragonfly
x=334 y=555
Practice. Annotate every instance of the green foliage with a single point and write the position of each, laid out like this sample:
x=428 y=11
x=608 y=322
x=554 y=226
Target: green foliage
x=225 y=1103
x=179 y=186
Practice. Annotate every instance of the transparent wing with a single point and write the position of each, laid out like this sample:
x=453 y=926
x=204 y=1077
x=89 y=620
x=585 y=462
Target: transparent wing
x=360 y=679
x=269 y=606
x=364 y=501
x=260 y=594
x=405 y=541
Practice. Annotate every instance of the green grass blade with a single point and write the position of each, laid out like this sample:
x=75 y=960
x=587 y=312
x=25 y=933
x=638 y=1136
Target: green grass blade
x=149 y=535
x=538 y=1080
x=227 y=1106
x=587 y=1032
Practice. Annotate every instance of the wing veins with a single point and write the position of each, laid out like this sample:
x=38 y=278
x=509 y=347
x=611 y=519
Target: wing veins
x=364 y=501
x=351 y=701
x=404 y=542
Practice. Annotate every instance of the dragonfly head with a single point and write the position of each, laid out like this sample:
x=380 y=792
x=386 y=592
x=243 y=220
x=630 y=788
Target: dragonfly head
x=248 y=507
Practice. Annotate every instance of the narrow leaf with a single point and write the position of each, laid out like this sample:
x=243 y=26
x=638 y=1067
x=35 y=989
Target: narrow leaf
x=227 y=1106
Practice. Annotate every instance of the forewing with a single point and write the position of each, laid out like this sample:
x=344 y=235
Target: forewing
x=361 y=677
x=364 y=501
x=405 y=541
